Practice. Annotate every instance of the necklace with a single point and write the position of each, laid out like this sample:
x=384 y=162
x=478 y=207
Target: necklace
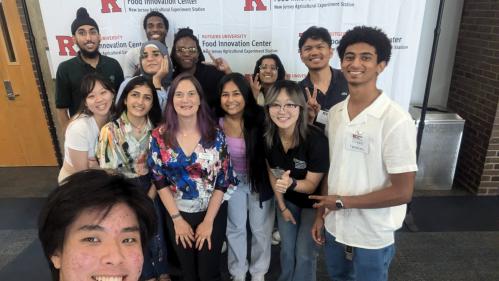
x=140 y=127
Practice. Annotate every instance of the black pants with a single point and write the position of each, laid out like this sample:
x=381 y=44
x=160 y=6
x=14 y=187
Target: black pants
x=201 y=265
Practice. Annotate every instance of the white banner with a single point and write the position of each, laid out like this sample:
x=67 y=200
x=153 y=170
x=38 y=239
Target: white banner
x=241 y=31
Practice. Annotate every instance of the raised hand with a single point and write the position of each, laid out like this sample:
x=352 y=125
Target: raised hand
x=162 y=72
x=220 y=63
x=313 y=106
x=255 y=86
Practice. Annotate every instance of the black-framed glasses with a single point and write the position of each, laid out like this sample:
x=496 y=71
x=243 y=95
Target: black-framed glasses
x=286 y=107
x=189 y=50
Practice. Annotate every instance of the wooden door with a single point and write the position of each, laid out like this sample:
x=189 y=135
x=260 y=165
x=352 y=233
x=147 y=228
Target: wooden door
x=24 y=134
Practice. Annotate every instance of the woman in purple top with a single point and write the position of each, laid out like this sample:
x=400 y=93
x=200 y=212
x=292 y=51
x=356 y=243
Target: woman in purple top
x=241 y=119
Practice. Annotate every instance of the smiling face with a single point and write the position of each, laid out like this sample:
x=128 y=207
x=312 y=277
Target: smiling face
x=231 y=99
x=101 y=249
x=186 y=53
x=139 y=101
x=99 y=100
x=359 y=64
x=156 y=29
x=284 y=112
x=268 y=71
x=151 y=59
x=87 y=38
x=186 y=99
x=315 y=54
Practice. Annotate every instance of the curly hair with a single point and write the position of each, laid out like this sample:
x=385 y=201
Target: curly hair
x=159 y=15
x=369 y=35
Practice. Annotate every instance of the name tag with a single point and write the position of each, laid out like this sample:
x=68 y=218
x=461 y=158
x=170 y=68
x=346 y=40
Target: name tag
x=277 y=172
x=322 y=117
x=205 y=156
x=357 y=142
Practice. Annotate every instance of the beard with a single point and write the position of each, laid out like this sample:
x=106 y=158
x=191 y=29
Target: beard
x=89 y=54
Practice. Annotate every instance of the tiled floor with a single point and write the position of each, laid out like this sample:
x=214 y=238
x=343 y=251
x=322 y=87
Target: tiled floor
x=438 y=255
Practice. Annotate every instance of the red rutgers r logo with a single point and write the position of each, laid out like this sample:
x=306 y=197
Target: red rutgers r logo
x=110 y=6
x=65 y=45
x=259 y=5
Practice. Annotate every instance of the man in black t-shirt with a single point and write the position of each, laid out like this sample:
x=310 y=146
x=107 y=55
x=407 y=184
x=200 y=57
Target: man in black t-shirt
x=324 y=86
x=70 y=73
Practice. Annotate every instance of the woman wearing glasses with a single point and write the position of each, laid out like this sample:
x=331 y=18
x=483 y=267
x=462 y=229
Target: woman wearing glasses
x=187 y=56
x=193 y=174
x=268 y=70
x=297 y=158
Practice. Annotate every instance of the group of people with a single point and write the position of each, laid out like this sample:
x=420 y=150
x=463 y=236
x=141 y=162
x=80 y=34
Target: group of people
x=185 y=154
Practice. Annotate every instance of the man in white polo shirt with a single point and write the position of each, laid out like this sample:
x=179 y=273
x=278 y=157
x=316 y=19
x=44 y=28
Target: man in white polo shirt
x=372 y=145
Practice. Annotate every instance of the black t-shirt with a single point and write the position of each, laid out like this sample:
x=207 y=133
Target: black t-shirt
x=71 y=72
x=311 y=155
x=337 y=92
x=209 y=77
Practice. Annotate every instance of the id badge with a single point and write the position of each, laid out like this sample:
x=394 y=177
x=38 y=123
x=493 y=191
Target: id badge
x=277 y=172
x=205 y=156
x=322 y=117
x=357 y=142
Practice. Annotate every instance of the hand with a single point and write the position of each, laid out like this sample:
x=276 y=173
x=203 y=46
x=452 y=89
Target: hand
x=255 y=86
x=327 y=201
x=282 y=184
x=318 y=230
x=220 y=63
x=203 y=233
x=313 y=106
x=162 y=72
x=183 y=232
x=288 y=216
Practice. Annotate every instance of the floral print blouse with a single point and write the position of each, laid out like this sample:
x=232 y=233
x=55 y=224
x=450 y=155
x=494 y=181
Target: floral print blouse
x=119 y=149
x=192 y=179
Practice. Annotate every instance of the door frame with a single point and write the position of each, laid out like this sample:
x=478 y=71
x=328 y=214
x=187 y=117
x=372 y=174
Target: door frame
x=43 y=90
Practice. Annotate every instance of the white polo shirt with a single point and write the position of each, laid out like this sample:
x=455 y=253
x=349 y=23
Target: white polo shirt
x=381 y=140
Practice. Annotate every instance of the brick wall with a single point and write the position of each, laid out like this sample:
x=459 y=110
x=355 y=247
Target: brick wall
x=474 y=94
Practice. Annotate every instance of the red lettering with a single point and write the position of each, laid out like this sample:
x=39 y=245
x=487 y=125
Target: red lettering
x=65 y=44
x=259 y=5
x=110 y=6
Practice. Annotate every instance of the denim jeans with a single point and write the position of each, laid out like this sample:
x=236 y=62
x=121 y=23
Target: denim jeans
x=366 y=265
x=298 y=250
x=244 y=205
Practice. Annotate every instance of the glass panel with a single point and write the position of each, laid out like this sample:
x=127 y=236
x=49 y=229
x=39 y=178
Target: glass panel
x=6 y=35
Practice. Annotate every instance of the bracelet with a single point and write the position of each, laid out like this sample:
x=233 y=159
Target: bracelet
x=176 y=216
x=283 y=210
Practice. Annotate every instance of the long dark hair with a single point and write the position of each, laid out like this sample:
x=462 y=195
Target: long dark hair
x=252 y=120
x=295 y=93
x=154 y=113
x=205 y=122
x=87 y=86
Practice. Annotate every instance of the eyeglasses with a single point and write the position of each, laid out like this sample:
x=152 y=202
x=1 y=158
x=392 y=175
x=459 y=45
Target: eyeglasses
x=285 y=107
x=190 y=50
x=153 y=54
x=266 y=67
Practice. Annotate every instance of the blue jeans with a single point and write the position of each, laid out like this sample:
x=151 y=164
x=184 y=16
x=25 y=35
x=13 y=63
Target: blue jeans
x=298 y=250
x=366 y=265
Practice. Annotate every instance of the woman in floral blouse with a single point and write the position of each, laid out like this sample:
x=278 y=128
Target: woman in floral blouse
x=124 y=145
x=193 y=174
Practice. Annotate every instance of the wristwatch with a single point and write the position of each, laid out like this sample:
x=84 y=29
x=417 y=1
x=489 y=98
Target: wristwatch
x=293 y=184
x=339 y=203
